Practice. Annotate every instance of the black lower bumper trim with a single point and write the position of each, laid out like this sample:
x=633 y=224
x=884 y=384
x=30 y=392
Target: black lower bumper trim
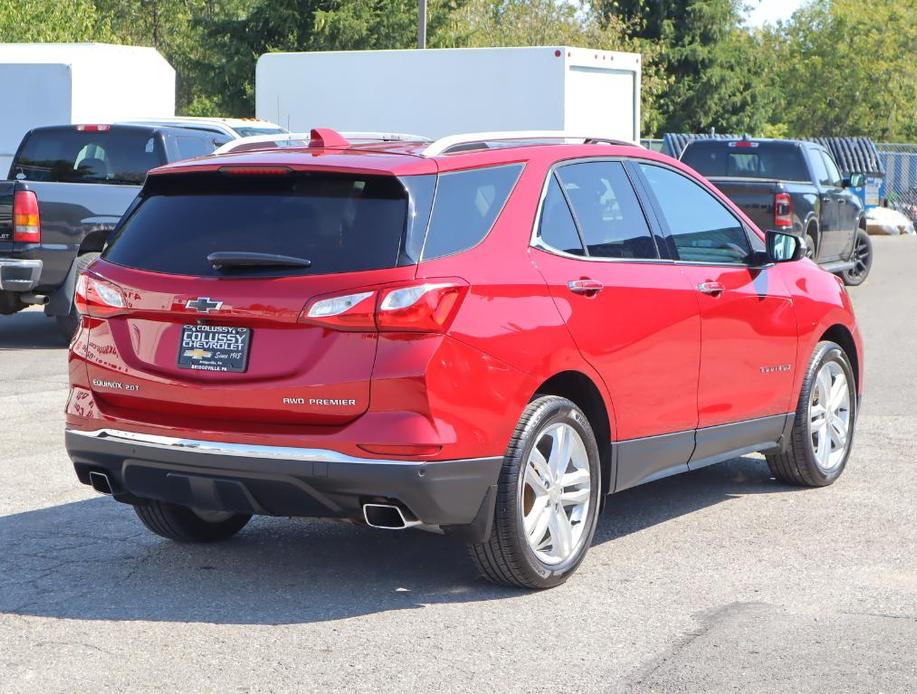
x=444 y=493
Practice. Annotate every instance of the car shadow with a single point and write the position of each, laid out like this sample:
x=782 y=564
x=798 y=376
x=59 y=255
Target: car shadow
x=93 y=560
x=30 y=329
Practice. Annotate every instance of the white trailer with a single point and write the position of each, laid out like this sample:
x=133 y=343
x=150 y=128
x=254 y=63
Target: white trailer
x=438 y=92
x=61 y=83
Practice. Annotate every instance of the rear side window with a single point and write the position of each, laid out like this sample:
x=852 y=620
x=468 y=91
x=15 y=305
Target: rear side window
x=117 y=156
x=703 y=230
x=763 y=160
x=607 y=210
x=466 y=206
x=340 y=223
x=190 y=147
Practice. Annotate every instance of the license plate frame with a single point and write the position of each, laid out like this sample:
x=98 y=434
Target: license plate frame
x=214 y=348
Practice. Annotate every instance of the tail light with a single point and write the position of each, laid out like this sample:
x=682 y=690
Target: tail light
x=423 y=307
x=95 y=128
x=98 y=298
x=783 y=211
x=26 y=219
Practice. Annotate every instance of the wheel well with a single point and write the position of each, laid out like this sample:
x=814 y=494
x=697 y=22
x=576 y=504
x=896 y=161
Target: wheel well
x=840 y=335
x=580 y=389
x=812 y=230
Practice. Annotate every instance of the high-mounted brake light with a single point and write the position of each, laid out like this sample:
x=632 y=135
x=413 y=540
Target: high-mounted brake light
x=243 y=170
x=783 y=211
x=26 y=217
x=423 y=307
x=97 y=298
x=98 y=128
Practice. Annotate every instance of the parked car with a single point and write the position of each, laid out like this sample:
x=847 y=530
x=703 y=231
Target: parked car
x=68 y=187
x=796 y=186
x=314 y=332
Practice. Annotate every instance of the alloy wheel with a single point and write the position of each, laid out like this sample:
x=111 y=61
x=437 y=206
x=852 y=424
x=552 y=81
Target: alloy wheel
x=829 y=416
x=860 y=258
x=556 y=494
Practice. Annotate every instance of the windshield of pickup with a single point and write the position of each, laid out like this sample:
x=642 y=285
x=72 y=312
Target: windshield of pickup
x=117 y=155
x=727 y=159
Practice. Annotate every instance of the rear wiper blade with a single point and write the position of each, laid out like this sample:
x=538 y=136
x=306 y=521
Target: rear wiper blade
x=234 y=259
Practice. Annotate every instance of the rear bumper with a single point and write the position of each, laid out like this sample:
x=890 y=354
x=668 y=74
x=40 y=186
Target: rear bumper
x=281 y=481
x=19 y=274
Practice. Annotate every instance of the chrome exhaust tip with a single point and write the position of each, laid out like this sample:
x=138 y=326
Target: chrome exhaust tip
x=100 y=482
x=386 y=517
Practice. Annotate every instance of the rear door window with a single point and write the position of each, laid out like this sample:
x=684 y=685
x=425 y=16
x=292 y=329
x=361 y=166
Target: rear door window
x=116 y=156
x=607 y=211
x=703 y=229
x=465 y=207
x=339 y=222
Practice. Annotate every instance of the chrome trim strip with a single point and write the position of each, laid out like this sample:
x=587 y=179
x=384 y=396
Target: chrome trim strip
x=243 y=450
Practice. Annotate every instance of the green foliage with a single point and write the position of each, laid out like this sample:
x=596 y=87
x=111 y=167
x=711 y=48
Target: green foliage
x=848 y=67
x=713 y=64
x=837 y=67
x=29 y=21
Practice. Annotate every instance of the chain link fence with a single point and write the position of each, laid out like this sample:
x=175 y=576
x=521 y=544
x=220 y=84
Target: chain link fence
x=900 y=164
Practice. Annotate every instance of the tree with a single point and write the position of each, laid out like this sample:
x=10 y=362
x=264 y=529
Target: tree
x=848 y=68
x=713 y=64
x=31 y=21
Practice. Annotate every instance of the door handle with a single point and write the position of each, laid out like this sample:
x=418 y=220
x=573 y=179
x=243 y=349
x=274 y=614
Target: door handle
x=712 y=288
x=585 y=286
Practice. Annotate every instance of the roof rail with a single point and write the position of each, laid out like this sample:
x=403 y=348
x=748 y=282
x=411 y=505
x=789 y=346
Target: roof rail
x=444 y=144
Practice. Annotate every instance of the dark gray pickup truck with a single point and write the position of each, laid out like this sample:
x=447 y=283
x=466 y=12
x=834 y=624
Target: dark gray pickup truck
x=68 y=186
x=796 y=186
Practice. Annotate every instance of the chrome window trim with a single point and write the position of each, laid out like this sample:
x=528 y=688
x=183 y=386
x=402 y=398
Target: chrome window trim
x=239 y=450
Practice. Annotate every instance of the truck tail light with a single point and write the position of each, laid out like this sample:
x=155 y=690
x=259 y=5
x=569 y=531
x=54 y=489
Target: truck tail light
x=98 y=298
x=783 y=211
x=26 y=218
x=93 y=128
x=428 y=306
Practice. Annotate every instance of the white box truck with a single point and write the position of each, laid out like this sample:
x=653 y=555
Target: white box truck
x=61 y=83
x=438 y=92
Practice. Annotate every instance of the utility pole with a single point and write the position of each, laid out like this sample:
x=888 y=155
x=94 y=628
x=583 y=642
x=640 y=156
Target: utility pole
x=421 y=23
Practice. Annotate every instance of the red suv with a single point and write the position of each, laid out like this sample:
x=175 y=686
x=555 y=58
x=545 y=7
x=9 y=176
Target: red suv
x=484 y=335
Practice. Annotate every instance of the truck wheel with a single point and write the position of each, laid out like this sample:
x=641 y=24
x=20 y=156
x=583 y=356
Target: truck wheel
x=824 y=422
x=862 y=260
x=810 y=246
x=547 y=498
x=67 y=325
x=183 y=524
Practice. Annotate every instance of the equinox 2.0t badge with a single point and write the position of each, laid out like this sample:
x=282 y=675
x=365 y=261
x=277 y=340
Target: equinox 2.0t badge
x=203 y=304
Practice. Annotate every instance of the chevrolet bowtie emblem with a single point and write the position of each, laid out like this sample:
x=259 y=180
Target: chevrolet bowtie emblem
x=203 y=304
x=197 y=354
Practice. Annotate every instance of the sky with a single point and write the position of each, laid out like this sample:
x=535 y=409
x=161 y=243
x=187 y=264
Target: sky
x=769 y=11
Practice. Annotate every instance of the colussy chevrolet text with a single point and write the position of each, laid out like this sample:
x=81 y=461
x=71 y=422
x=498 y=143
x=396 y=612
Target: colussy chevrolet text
x=484 y=335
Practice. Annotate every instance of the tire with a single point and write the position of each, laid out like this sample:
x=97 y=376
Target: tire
x=800 y=463
x=183 y=524
x=508 y=557
x=862 y=258
x=68 y=324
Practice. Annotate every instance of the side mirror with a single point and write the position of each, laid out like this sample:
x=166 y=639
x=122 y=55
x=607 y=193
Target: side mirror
x=783 y=247
x=854 y=180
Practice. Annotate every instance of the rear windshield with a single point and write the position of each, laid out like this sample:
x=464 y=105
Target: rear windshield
x=783 y=162
x=338 y=222
x=118 y=156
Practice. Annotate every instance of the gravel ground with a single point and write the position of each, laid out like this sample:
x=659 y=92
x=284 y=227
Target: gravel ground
x=717 y=580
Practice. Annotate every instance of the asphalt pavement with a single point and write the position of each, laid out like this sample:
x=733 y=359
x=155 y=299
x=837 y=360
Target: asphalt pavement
x=717 y=580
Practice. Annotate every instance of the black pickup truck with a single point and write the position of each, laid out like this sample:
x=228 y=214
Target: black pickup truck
x=68 y=186
x=796 y=186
